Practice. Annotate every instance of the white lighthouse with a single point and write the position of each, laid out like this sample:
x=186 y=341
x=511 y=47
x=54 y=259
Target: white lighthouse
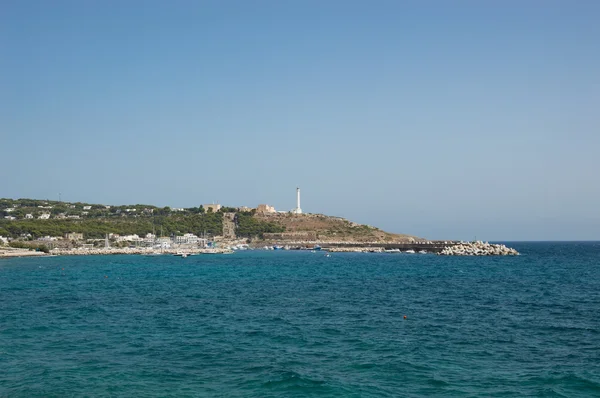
x=297 y=210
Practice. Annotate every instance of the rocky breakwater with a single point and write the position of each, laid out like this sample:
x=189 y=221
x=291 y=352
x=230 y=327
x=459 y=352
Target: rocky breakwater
x=355 y=249
x=478 y=249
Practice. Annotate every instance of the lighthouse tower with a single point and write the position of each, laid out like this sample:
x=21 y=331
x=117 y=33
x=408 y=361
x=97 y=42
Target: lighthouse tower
x=297 y=210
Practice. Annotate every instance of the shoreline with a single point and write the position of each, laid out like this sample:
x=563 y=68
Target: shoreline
x=447 y=248
x=18 y=253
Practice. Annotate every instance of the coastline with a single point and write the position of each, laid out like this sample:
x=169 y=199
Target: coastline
x=136 y=251
x=16 y=253
x=447 y=248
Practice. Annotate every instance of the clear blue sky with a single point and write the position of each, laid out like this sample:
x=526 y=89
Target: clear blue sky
x=435 y=118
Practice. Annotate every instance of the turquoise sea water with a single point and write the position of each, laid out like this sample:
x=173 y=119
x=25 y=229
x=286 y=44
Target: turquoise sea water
x=269 y=324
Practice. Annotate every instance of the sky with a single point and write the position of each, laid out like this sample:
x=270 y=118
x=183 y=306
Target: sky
x=444 y=120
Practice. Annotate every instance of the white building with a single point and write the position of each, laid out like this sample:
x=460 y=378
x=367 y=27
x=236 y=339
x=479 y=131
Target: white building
x=10 y=218
x=48 y=238
x=87 y=207
x=129 y=238
x=186 y=239
x=163 y=243
x=28 y=216
x=44 y=216
x=149 y=238
x=3 y=240
x=74 y=236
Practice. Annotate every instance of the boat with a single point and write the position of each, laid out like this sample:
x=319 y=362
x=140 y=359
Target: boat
x=393 y=251
x=410 y=251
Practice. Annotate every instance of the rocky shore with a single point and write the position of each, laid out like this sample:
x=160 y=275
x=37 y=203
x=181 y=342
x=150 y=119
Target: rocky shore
x=138 y=251
x=355 y=249
x=478 y=249
x=12 y=252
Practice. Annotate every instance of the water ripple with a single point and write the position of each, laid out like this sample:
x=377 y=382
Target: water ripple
x=298 y=324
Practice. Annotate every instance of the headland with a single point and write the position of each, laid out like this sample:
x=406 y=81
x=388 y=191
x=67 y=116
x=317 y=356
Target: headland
x=37 y=227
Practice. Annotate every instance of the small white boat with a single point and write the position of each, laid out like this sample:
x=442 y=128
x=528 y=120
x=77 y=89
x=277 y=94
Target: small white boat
x=410 y=251
x=392 y=251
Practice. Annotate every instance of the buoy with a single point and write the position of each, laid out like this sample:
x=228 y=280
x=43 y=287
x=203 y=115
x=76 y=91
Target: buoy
x=404 y=316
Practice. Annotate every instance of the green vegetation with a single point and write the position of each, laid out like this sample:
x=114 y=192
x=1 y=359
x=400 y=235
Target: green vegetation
x=30 y=246
x=177 y=224
x=95 y=221
x=249 y=227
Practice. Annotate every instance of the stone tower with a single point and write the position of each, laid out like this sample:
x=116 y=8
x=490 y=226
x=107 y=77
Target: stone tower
x=229 y=225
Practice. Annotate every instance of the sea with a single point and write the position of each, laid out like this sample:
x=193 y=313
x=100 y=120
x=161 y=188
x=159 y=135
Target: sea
x=300 y=324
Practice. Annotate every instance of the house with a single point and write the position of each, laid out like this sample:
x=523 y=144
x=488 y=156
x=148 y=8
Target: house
x=3 y=240
x=213 y=207
x=10 y=218
x=48 y=238
x=87 y=207
x=28 y=216
x=129 y=238
x=74 y=236
x=44 y=216
x=186 y=239
x=75 y=217
x=149 y=238
x=265 y=209
x=163 y=243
